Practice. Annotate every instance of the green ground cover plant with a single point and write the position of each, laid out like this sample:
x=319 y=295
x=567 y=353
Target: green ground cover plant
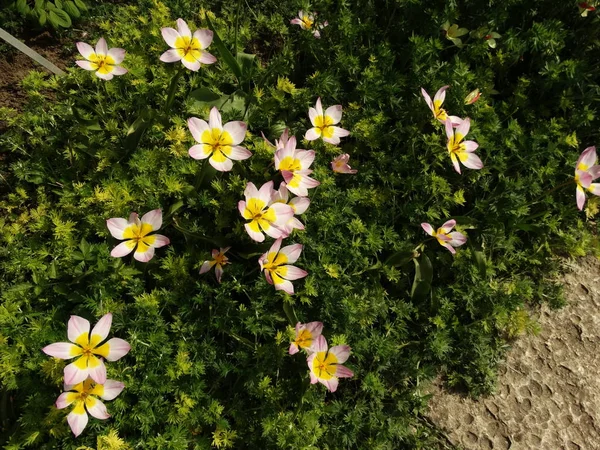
x=209 y=365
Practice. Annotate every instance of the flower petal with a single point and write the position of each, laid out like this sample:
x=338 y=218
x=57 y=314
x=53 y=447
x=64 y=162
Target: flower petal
x=463 y=128
x=197 y=128
x=458 y=239
x=222 y=166
x=207 y=58
x=101 y=47
x=118 y=54
x=170 y=56
x=335 y=112
x=77 y=422
x=237 y=131
x=73 y=374
x=65 y=399
x=312 y=134
x=62 y=350
x=238 y=153
x=343 y=372
x=440 y=95
x=214 y=118
x=183 y=28
x=285 y=286
x=197 y=152
x=86 y=65
x=471 y=146
x=192 y=65
x=96 y=408
x=204 y=36
x=448 y=225
x=428 y=228
x=111 y=389
x=293 y=272
x=254 y=235
x=123 y=249
x=331 y=384
x=320 y=344
x=427 y=99
x=580 y=196
x=144 y=256
x=153 y=218
x=76 y=327
x=341 y=352
x=319 y=107
x=101 y=329
x=86 y=50
x=449 y=128
x=219 y=272
x=299 y=205
x=97 y=369
x=472 y=162
x=160 y=241
x=170 y=35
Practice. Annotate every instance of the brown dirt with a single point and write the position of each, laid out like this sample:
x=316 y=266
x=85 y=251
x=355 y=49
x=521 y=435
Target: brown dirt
x=548 y=395
x=14 y=66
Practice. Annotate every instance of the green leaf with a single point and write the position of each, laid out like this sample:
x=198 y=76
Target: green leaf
x=224 y=103
x=247 y=63
x=60 y=17
x=400 y=258
x=72 y=10
x=58 y=4
x=224 y=52
x=290 y=313
x=43 y=18
x=423 y=277
x=205 y=95
x=90 y=124
x=21 y=6
x=138 y=127
x=480 y=262
x=82 y=6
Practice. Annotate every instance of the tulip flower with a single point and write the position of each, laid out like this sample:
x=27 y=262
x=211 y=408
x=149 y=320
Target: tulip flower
x=187 y=48
x=445 y=236
x=217 y=141
x=436 y=106
x=219 y=260
x=472 y=97
x=103 y=61
x=307 y=22
x=585 y=8
x=294 y=166
x=264 y=214
x=491 y=38
x=276 y=265
x=340 y=164
x=586 y=171
x=84 y=398
x=298 y=204
x=306 y=333
x=462 y=150
x=87 y=348
x=326 y=364
x=453 y=33
x=136 y=235
x=323 y=124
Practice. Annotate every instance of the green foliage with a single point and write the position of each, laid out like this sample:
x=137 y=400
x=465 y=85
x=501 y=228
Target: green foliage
x=55 y=14
x=209 y=366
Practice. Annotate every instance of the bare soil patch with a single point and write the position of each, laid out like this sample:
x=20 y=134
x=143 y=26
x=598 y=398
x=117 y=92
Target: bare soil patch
x=548 y=395
x=14 y=66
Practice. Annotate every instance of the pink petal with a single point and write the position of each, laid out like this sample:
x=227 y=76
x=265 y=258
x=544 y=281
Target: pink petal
x=98 y=373
x=335 y=112
x=343 y=372
x=254 y=235
x=580 y=196
x=160 y=241
x=204 y=36
x=102 y=328
x=193 y=66
x=219 y=272
x=119 y=71
x=266 y=192
x=427 y=99
x=239 y=153
x=293 y=349
x=101 y=47
x=197 y=128
x=206 y=266
x=457 y=239
x=313 y=378
x=207 y=58
x=340 y=132
x=221 y=166
x=470 y=146
x=594 y=188
x=316 y=328
x=299 y=204
x=105 y=76
x=473 y=162
x=285 y=286
x=428 y=228
x=449 y=247
x=144 y=256
x=319 y=107
x=294 y=273
x=76 y=327
x=448 y=225
x=341 y=352
x=117 y=348
x=170 y=35
x=97 y=410
x=441 y=94
x=112 y=388
x=306 y=158
x=455 y=162
x=123 y=249
x=331 y=384
x=86 y=65
x=183 y=28
x=283 y=213
x=587 y=157
x=197 y=152
x=214 y=119
x=456 y=121
x=237 y=131
x=61 y=350
x=170 y=56
x=77 y=422
x=449 y=129
x=63 y=400
x=312 y=115
x=320 y=344
x=118 y=54
x=73 y=375
x=86 y=50
x=463 y=128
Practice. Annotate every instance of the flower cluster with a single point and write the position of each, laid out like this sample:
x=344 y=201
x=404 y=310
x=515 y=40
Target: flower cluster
x=324 y=363
x=85 y=378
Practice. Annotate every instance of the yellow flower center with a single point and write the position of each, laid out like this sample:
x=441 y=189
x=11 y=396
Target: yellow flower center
x=290 y=164
x=324 y=365
x=304 y=339
x=102 y=63
x=325 y=124
x=189 y=48
x=307 y=22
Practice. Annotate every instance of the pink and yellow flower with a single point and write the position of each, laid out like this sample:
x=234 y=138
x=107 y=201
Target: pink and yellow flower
x=187 y=48
x=445 y=236
x=340 y=164
x=103 y=61
x=88 y=349
x=306 y=334
x=218 y=141
x=137 y=236
x=436 y=106
x=326 y=364
x=83 y=397
x=586 y=171
x=307 y=22
x=324 y=124
x=294 y=166
x=472 y=97
x=264 y=213
x=298 y=204
x=276 y=265
x=219 y=260
x=460 y=150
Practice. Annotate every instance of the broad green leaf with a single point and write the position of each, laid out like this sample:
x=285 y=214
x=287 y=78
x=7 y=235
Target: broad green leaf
x=400 y=258
x=480 y=261
x=423 y=277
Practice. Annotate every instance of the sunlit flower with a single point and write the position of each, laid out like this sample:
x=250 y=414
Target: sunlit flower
x=491 y=38
x=103 y=61
x=323 y=124
x=86 y=348
x=472 y=97
x=276 y=265
x=219 y=260
x=445 y=236
x=217 y=141
x=294 y=166
x=83 y=397
x=306 y=334
x=436 y=106
x=187 y=48
x=586 y=171
x=137 y=236
x=298 y=204
x=585 y=8
x=326 y=365
x=264 y=214
x=307 y=22
x=340 y=164
x=279 y=143
x=462 y=150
